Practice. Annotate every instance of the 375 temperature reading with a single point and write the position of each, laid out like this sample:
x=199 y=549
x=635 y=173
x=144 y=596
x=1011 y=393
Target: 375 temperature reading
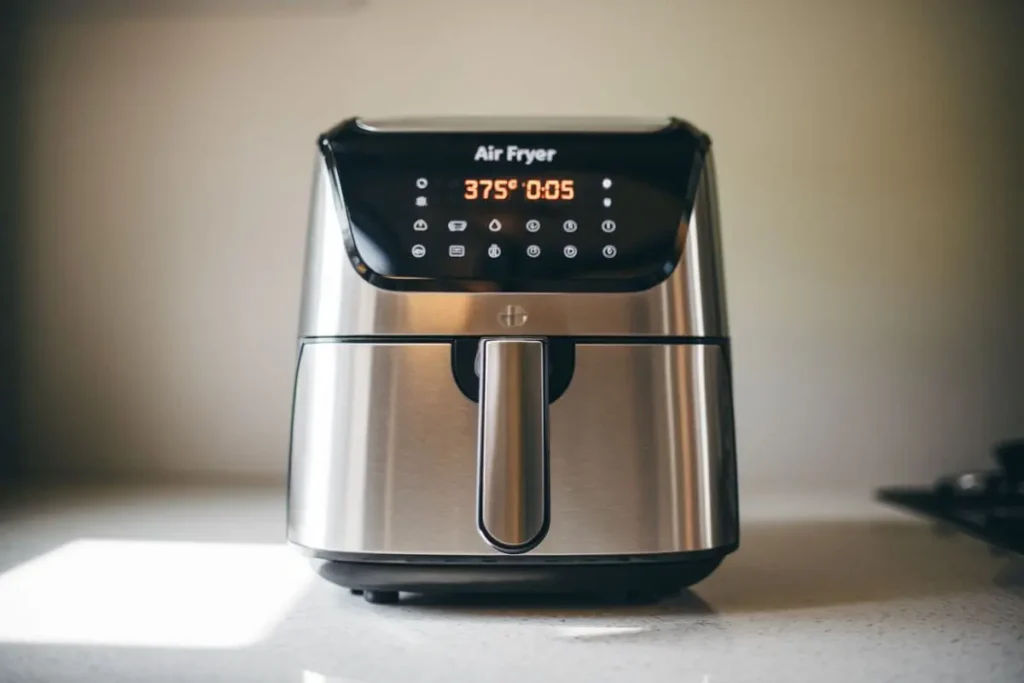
x=535 y=188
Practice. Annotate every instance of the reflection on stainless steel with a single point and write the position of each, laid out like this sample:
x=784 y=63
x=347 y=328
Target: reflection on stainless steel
x=337 y=301
x=384 y=452
x=488 y=124
x=703 y=257
x=513 y=440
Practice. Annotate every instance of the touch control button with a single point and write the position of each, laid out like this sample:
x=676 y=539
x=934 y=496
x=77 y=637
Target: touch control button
x=494 y=225
x=420 y=225
x=569 y=251
x=456 y=226
x=532 y=225
x=456 y=250
x=569 y=225
x=533 y=251
x=608 y=225
x=494 y=251
x=609 y=251
x=419 y=251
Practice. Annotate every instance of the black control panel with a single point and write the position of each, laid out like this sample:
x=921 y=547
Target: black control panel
x=504 y=211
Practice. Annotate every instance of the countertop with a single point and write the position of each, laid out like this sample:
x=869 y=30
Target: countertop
x=193 y=582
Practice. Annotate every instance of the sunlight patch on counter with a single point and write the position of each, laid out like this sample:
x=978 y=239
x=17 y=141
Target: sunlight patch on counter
x=151 y=594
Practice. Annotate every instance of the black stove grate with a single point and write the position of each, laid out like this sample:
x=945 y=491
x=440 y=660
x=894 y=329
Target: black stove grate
x=987 y=505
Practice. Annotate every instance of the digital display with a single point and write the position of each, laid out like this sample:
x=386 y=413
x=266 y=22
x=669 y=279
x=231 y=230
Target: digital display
x=557 y=212
x=533 y=189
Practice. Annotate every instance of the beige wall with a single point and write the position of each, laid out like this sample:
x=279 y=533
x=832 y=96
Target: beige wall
x=868 y=190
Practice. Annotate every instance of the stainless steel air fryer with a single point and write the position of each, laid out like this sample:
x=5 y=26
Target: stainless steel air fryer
x=514 y=367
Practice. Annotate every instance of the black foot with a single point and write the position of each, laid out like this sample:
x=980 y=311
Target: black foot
x=355 y=591
x=381 y=597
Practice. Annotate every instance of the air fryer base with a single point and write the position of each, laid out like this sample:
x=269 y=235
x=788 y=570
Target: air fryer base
x=630 y=577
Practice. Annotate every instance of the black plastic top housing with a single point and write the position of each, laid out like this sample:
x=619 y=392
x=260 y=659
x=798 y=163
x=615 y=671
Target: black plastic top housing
x=528 y=211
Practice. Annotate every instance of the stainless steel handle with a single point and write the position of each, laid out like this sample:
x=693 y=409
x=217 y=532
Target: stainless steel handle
x=513 y=443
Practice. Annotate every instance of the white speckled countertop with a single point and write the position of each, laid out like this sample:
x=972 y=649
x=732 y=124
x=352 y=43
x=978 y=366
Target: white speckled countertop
x=193 y=583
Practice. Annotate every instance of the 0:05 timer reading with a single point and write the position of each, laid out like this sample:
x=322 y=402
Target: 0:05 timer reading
x=534 y=189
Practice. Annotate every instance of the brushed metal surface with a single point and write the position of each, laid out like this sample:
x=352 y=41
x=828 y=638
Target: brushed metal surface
x=337 y=301
x=503 y=124
x=383 y=452
x=512 y=441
